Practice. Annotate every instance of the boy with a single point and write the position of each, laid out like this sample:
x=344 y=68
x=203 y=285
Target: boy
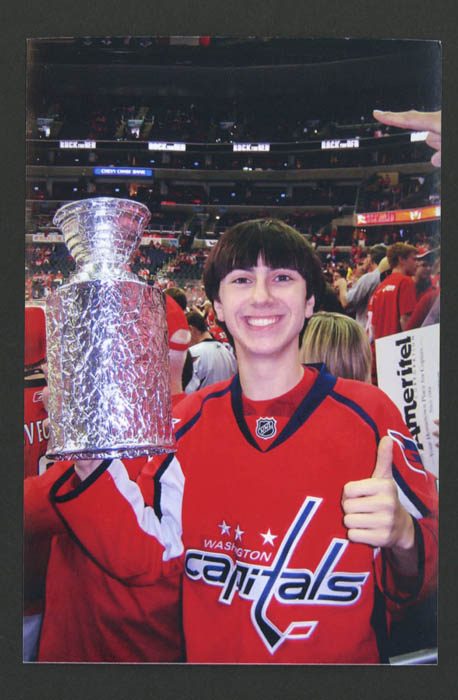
x=281 y=503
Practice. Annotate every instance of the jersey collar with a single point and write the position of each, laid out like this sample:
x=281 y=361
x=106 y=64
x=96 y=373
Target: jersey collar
x=323 y=384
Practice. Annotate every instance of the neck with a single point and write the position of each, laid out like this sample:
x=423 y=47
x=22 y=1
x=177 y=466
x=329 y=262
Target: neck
x=266 y=379
x=204 y=336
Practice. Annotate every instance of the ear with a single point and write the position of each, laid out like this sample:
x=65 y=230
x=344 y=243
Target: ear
x=217 y=305
x=309 y=306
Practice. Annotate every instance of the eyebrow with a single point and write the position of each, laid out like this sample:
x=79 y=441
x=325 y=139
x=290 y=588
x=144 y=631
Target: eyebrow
x=268 y=267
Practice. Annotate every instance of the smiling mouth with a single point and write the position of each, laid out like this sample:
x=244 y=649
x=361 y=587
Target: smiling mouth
x=261 y=322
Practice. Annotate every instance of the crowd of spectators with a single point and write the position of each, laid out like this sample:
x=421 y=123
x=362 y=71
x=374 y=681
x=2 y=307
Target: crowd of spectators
x=122 y=130
x=341 y=251
x=385 y=191
x=198 y=121
x=194 y=121
x=380 y=192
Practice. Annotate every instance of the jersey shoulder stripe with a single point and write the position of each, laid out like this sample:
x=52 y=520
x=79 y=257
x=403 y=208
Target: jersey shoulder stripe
x=205 y=396
x=357 y=408
x=373 y=397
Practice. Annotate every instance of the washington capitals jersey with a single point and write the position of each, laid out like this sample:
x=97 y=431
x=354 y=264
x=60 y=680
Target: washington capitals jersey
x=36 y=431
x=91 y=616
x=251 y=508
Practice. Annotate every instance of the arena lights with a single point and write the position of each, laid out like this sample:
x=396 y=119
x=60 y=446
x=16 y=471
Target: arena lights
x=165 y=146
x=339 y=143
x=251 y=147
x=77 y=144
x=418 y=135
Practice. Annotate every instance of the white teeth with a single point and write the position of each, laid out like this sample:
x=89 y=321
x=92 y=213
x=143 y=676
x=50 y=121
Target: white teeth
x=266 y=321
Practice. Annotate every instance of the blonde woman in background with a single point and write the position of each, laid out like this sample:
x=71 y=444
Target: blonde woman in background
x=340 y=342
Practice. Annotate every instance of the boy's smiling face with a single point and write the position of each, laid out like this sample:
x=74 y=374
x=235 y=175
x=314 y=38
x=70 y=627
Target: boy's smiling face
x=264 y=309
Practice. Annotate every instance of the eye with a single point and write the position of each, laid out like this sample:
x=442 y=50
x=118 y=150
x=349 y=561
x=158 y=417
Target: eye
x=283 y=277
x=240 y=279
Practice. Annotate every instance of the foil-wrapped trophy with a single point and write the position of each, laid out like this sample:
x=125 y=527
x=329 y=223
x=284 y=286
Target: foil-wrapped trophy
x=108 y=363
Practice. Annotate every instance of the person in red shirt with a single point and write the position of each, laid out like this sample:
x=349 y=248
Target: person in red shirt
x=91 y=616
x=296 y=504
x=36 y=433
x=394 y=299
x=426 y=299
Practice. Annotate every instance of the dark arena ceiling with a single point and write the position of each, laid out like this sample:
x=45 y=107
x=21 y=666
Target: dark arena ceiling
x=396 y=74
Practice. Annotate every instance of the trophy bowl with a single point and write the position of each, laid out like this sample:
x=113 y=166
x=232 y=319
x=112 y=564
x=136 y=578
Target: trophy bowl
x=108 y=362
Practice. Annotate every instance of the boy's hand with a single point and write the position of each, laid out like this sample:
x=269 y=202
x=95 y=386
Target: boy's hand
x=373 y=513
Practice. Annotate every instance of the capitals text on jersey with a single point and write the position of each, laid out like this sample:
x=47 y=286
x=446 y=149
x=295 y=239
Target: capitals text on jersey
x=324 y=586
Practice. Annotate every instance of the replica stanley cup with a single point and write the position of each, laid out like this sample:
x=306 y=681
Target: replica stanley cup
x=106 y=341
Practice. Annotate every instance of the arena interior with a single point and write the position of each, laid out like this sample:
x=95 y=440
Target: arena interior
x=211 y=131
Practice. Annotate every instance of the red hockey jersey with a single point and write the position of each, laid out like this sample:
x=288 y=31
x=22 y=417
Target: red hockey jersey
x=91 y=616
x=252 y=510
x=36 y=433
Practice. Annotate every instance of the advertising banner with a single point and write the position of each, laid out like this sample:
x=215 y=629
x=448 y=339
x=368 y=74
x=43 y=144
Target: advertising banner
x=408 y=371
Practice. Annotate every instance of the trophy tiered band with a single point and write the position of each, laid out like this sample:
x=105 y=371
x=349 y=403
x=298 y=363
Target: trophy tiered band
x=108 y=363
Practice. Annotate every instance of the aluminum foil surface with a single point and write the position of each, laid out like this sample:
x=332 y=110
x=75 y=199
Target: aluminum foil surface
x=108 y=363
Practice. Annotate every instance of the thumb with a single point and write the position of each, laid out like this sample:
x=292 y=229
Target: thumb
x=383 y=467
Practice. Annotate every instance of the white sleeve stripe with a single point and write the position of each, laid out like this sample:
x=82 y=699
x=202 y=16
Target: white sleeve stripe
x=168 y=530
x=408 y=505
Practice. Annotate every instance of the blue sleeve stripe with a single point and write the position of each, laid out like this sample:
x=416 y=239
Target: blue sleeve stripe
x=413 y=498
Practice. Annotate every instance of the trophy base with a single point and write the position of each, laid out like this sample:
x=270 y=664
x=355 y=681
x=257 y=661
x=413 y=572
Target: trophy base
x=116 y=452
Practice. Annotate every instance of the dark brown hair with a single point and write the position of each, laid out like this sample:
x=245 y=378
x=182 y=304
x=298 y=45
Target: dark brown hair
x=196 y=319
x=279 y=245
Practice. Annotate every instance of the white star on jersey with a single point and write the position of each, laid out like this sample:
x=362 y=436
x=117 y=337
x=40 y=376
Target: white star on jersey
x=268 y=537
x=238 y=533
x=225 y=528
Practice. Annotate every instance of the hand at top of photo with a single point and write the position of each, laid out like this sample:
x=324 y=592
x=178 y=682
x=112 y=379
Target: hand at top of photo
x=419 y=121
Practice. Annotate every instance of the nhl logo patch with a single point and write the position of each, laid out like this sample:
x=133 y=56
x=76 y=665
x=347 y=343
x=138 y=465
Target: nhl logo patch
x=266 y=428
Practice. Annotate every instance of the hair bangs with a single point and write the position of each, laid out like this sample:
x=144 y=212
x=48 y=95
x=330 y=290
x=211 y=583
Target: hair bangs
x=276 y=250
x=278 y=244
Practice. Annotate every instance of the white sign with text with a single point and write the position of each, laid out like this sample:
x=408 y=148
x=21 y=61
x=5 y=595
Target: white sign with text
x=408 y=371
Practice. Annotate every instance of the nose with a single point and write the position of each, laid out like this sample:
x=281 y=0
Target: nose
x=261 y=291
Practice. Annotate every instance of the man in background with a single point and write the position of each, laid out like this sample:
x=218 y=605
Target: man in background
x=394 y=299
x=212 y=361
x=356 y=298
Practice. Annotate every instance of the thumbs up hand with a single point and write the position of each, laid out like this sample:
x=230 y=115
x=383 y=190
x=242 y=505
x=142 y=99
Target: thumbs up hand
x=372 y=511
